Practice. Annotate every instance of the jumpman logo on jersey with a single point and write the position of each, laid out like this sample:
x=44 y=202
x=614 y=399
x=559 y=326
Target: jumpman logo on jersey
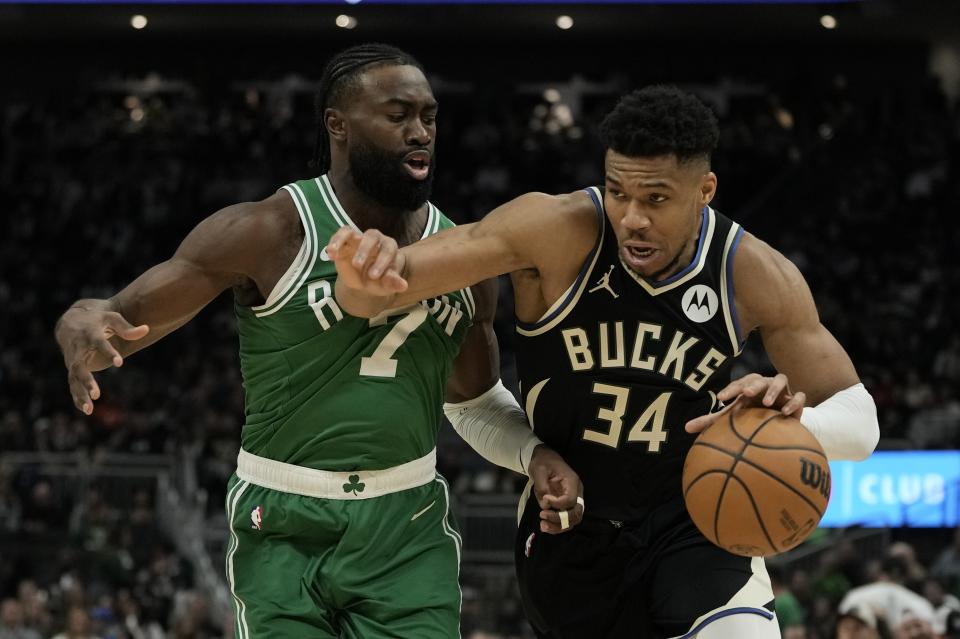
x=604 y=282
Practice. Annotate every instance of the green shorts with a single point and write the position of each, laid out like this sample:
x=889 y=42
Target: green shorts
x=303 y=566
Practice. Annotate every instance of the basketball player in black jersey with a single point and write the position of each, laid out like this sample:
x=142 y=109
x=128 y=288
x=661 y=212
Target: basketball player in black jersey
x=632 y=302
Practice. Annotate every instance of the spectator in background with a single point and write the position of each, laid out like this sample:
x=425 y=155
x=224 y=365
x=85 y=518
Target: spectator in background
x=42 y=513
x=944 y=604
x=889 y=598
x=12 y=622
x=789 y=610
x=857 y=623
x=947 y=564
x=78 y=625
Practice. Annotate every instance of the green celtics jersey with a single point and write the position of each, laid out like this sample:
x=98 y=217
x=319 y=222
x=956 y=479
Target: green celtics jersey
x=330 y=391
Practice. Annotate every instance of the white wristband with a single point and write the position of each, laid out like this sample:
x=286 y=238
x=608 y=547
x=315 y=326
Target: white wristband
x=845 y=424
x=496 y=427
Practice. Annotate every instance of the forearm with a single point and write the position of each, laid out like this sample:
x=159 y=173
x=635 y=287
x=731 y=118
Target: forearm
x=496 y=427
x=845 y=424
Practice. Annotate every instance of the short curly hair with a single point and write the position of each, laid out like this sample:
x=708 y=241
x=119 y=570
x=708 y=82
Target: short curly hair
x=661 y=120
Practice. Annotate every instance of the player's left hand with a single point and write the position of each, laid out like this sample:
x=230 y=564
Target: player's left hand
x=754 y=390
x=558 y=491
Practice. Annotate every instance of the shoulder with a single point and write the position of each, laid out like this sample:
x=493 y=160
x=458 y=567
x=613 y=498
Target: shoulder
x=767 y=284
x=239 y=233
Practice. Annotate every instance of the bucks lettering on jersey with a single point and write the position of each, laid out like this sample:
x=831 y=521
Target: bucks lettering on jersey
x=331 y=391
x=614 y=370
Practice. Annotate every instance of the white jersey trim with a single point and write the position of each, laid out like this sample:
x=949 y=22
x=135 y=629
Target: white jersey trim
x=569 y=299
x=725 y=297
x=297 y=274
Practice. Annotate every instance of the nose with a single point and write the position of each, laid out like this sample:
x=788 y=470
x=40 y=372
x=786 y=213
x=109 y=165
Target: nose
x=417 y=134
x=636 y=218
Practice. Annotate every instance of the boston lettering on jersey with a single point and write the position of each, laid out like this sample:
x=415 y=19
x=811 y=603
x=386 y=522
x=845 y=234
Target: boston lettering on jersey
x=331 y=391
x=619 y=364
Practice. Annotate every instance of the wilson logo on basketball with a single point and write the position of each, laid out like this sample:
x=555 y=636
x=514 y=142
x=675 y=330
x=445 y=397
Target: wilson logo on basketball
x=812 y=474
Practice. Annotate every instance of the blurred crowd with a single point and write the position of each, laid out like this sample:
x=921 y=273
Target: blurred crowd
x=849 y=593
x=854 y=182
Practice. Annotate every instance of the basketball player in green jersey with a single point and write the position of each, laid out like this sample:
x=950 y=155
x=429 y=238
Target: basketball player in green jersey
x=339 y=524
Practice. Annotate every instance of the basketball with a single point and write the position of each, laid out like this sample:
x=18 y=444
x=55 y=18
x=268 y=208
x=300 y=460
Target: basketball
x=756 y=482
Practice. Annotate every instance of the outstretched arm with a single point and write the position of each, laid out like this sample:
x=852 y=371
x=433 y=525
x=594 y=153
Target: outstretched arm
x=94 y=334
x=533 y=231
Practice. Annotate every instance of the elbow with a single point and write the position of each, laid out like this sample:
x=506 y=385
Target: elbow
x=871 y=433
x=870 y=440
x=874 y=438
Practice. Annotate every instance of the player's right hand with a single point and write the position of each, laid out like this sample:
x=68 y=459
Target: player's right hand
x=558 y=489
x=370 y=262
x=84 y=339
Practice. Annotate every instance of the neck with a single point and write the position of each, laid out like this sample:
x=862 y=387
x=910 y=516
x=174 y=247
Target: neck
x=402 y=225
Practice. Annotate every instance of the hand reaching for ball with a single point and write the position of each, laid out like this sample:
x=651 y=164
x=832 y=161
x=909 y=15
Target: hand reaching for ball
x=754 y=390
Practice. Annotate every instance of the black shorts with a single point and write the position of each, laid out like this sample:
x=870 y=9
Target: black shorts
x=655 y=580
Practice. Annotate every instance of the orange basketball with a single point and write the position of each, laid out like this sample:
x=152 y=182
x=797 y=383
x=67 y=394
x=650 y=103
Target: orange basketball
x=756 y=482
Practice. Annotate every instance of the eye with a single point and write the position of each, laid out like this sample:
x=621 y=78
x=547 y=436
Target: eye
x=429 y=120
x=658 y=198
x=616 y=193
x=396 y=117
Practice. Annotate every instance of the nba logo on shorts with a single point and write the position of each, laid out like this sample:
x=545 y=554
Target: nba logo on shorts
x=529 y=545
x=256 y=516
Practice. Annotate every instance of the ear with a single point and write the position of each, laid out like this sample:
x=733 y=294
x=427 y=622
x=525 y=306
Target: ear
x=336 y=124
x=708 y=187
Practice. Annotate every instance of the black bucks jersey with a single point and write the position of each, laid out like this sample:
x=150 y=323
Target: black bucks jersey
x=614 y=370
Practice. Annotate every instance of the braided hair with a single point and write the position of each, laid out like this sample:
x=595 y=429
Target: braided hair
x=339 y=76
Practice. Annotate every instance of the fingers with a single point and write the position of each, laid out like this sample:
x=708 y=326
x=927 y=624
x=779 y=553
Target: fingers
x=83 y=388
x=386 y=258
x=103 y=346
x=367 y=250
x=699 y=424
x=561 y=520
x=118 y=325
x=795 y=404
x=737 y=387
x=775 y=387
x=555 y=522
x=558 y=502
x=343 y=243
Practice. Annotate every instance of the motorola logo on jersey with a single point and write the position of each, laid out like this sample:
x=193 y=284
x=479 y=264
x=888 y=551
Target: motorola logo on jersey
x=700 y=303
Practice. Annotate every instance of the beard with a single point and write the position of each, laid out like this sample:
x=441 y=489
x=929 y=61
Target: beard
x=380 y=175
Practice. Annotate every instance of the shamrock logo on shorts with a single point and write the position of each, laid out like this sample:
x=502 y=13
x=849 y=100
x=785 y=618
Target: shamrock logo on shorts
x=354 y=485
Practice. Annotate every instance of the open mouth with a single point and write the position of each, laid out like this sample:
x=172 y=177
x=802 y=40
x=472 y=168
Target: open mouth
x=639 y=257
x=641 y=253
x=417 y=164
